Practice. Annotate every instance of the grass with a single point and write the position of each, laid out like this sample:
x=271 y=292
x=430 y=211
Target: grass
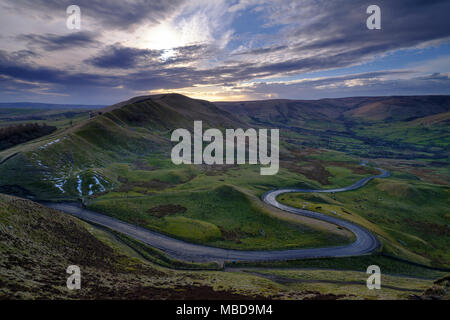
x=39 y=243
x=128 y=151
x=409 y=215
x=235 y=223
x=387 y=265
x=42 y=242
x=347 y=283
x=160 y=258
x=342 y=176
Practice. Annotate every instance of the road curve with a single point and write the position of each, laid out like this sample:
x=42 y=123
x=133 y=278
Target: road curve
x=365 y=241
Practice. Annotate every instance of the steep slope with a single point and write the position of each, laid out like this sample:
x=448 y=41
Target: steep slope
x=70 y=163
x=400 y=108
x=435 y=119
x=286 y=112
x=37 y=244
x=171 y=111
x=374 y=127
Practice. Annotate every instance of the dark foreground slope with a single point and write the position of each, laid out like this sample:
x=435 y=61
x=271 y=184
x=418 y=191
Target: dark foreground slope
x=37 y=244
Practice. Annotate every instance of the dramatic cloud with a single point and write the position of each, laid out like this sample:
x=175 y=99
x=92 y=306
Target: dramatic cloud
x=111 y=14
x=118 y=56
x=223 y=49
x=366 y=84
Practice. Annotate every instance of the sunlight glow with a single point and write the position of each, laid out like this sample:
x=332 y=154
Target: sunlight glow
x=171 y=34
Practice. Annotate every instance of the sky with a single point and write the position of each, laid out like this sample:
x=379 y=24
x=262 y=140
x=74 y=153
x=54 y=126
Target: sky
x=221 y=50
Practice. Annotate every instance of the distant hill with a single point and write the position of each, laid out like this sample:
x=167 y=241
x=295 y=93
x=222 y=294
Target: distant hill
x=401 y=108
x=34 y=105
x=373 y=127
x=357 y=108
x=441 y=118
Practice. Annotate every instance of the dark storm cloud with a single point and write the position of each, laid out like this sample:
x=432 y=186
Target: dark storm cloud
x=179 y=77
x=113 y=14
x=16 y=56
x=52 y=42
x=338 y=39
x=158 y=78
x=8 y=84
x=21 y=70
x=117 y=56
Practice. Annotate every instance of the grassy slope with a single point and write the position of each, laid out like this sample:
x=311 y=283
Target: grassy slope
x=121 y=134
x=84 y=160
x=37 y=244
x=126 y=149
x=398 y=210
x=233 y=223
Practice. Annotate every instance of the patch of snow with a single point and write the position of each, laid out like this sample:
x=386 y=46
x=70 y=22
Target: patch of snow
x=40 y=164
x=102 y=188
x=79 y=182
x=59 y=183
x=49 y=144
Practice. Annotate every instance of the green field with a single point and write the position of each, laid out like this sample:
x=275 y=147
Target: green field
x=409 y=215
x=39 y=243
x=222 y=216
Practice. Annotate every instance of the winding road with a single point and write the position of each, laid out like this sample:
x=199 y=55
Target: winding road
x=365 y=241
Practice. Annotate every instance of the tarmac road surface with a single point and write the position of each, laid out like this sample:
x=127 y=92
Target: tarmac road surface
x=365 y=241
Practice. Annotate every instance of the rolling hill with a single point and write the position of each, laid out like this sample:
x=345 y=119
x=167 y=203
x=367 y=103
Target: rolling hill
x=118 y=163
x=342 y=109
x=38 y=244
x=373 y=127
x=73 y=159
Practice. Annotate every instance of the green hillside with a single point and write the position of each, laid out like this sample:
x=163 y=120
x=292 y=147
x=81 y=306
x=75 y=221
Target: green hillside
x=59 y=164
x=38 y=244
x=118 y=163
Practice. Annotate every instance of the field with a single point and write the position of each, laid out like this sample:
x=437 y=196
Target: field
x=398 y=210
